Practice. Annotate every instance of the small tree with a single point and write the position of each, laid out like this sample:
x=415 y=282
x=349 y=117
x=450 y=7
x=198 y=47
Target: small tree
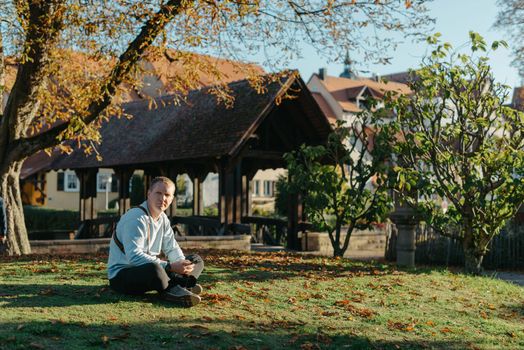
x=344 y=182
x=463 y=145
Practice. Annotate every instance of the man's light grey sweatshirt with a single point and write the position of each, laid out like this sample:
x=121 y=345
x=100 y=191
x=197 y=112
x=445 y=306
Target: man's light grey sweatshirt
x=132 y=232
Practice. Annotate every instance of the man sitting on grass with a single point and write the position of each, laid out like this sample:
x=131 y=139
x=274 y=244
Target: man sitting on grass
x=141 y=234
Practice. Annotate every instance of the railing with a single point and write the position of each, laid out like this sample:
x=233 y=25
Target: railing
x=38 y=235
x=205 y=226
x=267 y=230
x=182 y=225
x=97 y=228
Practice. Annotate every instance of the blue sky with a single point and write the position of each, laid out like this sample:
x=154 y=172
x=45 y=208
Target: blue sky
x=454 y=19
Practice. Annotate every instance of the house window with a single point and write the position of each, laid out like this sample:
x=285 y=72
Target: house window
x=71 y=183
x=256 y=187
x=103 y=181
x=106 y=179
x=268 y=188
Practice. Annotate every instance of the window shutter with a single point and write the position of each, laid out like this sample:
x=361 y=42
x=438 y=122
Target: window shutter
x=60 y=181
x=114 y=183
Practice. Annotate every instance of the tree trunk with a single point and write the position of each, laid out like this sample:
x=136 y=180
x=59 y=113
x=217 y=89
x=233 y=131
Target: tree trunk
x=473 y=261
x=338 y=251
x=17 y=241
x=472 y=255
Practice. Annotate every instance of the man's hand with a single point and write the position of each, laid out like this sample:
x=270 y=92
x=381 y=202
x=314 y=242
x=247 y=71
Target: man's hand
x=182 y=267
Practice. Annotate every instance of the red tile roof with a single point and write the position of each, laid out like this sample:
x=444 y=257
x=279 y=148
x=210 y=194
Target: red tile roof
x=346 y=90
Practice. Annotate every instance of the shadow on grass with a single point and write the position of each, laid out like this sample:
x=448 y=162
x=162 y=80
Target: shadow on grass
x=194 y=334
x=56 y=295
x=511 y=311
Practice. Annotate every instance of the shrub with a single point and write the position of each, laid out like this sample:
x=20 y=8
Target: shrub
x=38 y=218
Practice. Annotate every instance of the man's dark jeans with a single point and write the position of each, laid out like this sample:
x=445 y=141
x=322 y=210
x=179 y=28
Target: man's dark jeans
x=137 y=280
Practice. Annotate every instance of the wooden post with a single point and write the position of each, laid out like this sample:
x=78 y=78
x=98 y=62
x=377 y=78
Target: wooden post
x=222 y=216
x=87 y=179
x=226 y=196
x=246 y=196
x=173 y=174
x=124 y=200
x=198 y=198
x=237 y=193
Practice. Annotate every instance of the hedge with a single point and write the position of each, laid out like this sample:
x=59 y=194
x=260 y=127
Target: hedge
x=38 y=219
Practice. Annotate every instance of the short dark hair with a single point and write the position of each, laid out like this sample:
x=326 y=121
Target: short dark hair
x=162 y=179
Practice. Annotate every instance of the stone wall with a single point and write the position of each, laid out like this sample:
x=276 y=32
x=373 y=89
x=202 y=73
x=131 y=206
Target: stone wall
x=100 y=245
x=362 y=244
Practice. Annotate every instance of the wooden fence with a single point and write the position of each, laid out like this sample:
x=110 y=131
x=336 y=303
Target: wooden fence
x=506 y=250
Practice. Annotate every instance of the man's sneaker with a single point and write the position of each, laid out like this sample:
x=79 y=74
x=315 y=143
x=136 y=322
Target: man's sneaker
x=196 y=289
x=180 y=296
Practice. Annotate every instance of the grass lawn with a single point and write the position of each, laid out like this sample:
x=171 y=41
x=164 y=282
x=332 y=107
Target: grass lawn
x=259 y=301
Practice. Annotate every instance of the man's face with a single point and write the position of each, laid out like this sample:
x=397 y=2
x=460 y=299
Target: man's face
x=160 y=196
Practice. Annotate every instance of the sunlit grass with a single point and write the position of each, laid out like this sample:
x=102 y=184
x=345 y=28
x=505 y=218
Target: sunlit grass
x=260 y=301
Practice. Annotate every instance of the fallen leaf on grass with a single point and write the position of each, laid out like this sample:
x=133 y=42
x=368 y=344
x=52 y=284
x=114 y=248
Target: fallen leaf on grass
x=293 y=339
x=318 y=296
x=216 y=298
x=324 y=338
x=197 y=326
x=105 y=340
x=121 y=336
x=362 y=312
x=405 y=327
x=329 y=313
x=309 y=346
x=192 y=336
x=47 y=291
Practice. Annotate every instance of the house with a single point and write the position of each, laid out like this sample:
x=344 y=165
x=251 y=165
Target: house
x=342 y=97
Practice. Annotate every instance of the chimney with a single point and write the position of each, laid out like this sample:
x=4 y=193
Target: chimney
x=322 y=73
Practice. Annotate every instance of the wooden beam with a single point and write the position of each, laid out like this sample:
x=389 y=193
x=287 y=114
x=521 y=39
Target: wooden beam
x=261 y=154
x=198 y=198
x=237 y=194
x=87 y=179
x=124 y=176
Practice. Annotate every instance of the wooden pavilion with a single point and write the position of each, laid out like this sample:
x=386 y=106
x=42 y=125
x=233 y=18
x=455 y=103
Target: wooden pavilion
x=201 y=136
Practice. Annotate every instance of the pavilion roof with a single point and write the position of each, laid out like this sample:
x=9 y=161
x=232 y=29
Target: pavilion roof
x=199 y=128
